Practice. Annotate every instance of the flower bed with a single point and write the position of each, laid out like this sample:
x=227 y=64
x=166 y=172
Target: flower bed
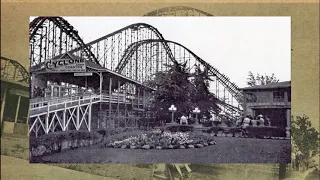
x=162 y=140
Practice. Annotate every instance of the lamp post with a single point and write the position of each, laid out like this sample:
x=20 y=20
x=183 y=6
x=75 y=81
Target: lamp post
x=196 y=111
x=172 y=109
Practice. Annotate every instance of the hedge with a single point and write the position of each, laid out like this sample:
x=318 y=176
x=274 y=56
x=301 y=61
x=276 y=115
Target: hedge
x=55 y=142
x=179 y=128
x=214 y=130
x=266 y=131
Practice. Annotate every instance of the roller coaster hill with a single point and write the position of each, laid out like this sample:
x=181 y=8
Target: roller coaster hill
x=102 y=84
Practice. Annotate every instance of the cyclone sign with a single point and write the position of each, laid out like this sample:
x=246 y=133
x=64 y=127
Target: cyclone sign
x=65 y=65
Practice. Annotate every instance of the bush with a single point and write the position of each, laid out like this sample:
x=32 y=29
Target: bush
x=208 y=124
x=235 y=130
x=179 y=128
x=216 y=123
x=214 y=130
x=268 y=131
x=52 y=142
x=112 y=131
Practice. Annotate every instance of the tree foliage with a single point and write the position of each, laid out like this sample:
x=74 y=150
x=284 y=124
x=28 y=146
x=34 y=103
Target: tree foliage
x=183 y=89
x=305 y=138
x=253 y=80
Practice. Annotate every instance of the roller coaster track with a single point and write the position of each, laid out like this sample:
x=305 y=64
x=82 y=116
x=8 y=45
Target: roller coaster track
x=65 y=27
x=135 y=26
x=11 y=70
x=233 y=88
x=174 y=9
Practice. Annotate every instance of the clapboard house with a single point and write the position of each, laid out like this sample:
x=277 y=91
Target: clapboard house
x=272 y=100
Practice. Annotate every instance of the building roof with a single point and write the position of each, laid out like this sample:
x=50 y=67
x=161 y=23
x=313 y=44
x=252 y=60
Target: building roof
x=278 y=85
x=92 y=65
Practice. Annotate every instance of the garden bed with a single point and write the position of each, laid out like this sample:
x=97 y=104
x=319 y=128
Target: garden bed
x=56 y=142
x=158 y=139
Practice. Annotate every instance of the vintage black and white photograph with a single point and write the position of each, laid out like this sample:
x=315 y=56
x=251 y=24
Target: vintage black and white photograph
x=198 y=90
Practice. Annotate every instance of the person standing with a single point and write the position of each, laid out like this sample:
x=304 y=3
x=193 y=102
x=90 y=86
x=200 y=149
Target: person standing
x=238 y=121
x=183 y=120
x=246 y=123
x=261 y=120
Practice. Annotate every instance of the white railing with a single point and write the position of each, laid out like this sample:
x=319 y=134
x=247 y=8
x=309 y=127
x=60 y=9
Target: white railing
x=41 y=103
x=61 y=101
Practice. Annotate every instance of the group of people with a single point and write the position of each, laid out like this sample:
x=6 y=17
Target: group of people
x=250 y=121
x=244 y=122
x=38 y=92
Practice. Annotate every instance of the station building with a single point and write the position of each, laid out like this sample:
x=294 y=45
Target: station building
x=271 y=100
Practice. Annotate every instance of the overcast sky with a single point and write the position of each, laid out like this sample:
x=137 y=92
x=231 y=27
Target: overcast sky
x=234 y=45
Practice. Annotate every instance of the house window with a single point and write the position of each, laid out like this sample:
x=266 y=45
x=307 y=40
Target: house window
x=278 y=96
x=289 y=96
x=251 y=97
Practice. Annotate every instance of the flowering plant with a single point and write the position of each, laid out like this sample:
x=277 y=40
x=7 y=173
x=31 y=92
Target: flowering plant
x=164 y=140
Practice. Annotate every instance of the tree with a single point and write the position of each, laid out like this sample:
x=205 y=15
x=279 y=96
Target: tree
x=183 y=89
x=202 y=97
x=260 y=79
x=305 y=139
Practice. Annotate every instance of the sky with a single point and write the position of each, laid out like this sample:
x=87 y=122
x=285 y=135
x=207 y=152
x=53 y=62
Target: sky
x=234 y=45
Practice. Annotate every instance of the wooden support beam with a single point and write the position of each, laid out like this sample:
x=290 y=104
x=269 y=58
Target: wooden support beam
x=64 y=117
x=110 y=97
x=17 y=109
x=78 y=115
x=47 y=119
x=53 y=124
x=144 y=98
x=28 y=118
x=89 y=115
x=125 y=100
x=118 y=108
x=37 y=130
x=138 y=97
x=3 y=103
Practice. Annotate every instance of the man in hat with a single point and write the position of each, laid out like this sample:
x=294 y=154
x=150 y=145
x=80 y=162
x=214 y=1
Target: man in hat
x=261 y=120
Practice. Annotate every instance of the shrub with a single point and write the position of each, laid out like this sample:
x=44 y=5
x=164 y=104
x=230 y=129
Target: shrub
x=268 y=131
x=53 y=142
x=208 y=124
x=179 y=128
x=235 y=130
x=216 y=123
x=214 y=130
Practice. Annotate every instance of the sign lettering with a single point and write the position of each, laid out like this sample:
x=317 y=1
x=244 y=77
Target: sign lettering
x=65 y=65
x=82 y=74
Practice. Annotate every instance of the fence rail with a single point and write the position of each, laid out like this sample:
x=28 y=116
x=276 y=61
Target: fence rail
x=42 y=105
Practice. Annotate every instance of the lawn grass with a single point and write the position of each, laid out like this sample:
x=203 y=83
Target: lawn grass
x=227 y=150
x=17 y=146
